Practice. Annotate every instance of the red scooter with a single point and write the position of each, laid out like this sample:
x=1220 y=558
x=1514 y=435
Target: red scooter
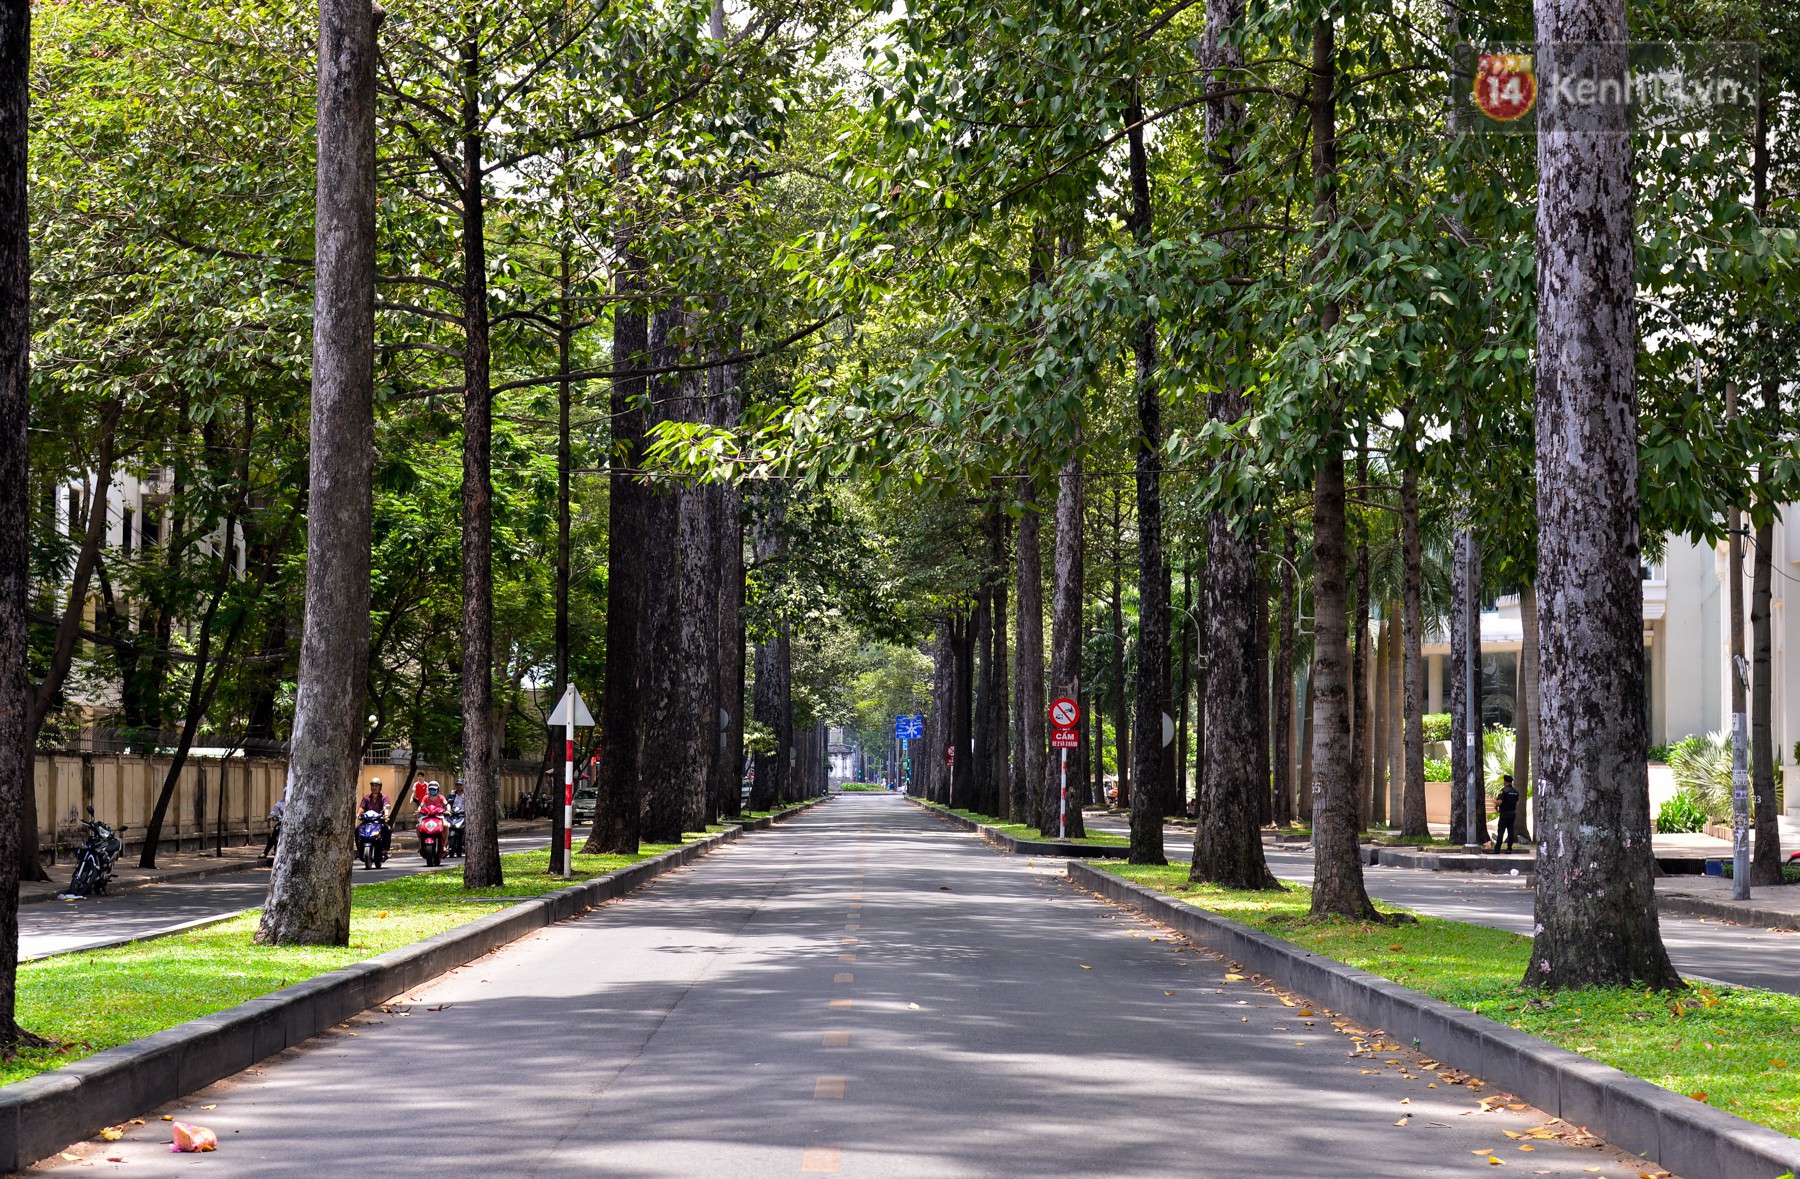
x=434 y=828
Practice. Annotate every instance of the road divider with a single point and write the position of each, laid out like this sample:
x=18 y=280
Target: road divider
x=1025 y=847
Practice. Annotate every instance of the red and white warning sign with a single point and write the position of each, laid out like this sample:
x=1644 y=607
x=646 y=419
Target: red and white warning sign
x=1065 y=714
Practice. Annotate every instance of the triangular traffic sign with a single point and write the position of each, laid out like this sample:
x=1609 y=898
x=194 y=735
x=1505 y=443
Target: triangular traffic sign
x=571 y=709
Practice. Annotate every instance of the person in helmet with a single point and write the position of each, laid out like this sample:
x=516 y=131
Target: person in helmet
x=432 y=804
x=377 y=800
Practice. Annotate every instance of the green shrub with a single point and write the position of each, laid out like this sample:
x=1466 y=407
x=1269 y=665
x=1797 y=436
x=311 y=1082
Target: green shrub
x=1680 y=815
x=1437 y=769
x=1436 y=728
x=1497 y=744
x=1702 y=770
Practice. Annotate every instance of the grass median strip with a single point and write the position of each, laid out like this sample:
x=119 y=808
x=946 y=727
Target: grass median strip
x=92 y=1001
x=1727 y=1046
x=1027 y=831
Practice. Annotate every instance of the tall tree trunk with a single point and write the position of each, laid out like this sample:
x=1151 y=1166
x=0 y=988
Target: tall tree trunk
x=981 y=659
x=1228 y=846
x=1412 y=796
x=1066 y=641
x=1596 y=904
x=698 y=678
x=481 y=771
x=1465 y=692
x=1308 y=729
x=618 y=800
x=1361 y=730
x=667 y=737
x=1378 y=731
x=940 y=726
x=1283 y=675
x=1765 y=764
x=1394 y=734
x=18 y=831
x=1766 y=868
x=1337 y=862
x=999 y=732
x=309 y=886
x=962 y=717
x=1121 y=725
x=1184 y=643
x=1153 y=611
x=729 y=773
x=1264 y=800
x=1029 y=766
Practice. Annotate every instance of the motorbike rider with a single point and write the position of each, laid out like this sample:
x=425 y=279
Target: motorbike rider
x=376 y=800
x=431 y=804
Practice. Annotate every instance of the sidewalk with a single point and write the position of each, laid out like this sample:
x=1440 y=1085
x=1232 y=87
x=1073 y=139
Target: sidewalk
x=186 y=866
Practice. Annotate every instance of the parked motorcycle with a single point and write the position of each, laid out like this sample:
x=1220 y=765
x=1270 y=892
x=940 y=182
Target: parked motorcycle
x=95 y=858
x=457 y=820
x=372 y=838
x=433 y=828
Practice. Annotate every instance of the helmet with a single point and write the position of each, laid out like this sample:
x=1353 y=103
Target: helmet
x=373 y=782
x=432 y=789
x=431 y=785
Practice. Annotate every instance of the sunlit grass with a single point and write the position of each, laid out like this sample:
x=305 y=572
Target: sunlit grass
x=1729 y=1046
x=1026 y=830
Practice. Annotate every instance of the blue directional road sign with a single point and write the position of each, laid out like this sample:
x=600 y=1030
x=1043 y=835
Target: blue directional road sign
x=909 y=728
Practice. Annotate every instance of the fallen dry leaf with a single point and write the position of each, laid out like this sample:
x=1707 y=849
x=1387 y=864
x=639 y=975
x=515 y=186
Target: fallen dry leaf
x=112 y=1133
x=1402 y=1121
x=67 y=1157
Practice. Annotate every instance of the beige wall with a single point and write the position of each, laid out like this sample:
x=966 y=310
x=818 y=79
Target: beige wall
x=123 y=788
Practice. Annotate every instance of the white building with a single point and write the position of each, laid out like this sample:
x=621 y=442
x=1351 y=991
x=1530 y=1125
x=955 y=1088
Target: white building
x=1686 y=644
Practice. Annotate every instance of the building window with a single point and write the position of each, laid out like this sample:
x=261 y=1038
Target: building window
x=125 y=522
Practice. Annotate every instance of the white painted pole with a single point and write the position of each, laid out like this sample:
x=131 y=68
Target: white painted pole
x=568 y=856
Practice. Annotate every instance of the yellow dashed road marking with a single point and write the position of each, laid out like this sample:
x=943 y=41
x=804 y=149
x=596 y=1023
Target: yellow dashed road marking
x=829 y=1087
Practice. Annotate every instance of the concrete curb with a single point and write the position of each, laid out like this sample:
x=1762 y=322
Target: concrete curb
x=1688 y=906
x=1406 y=857
x=43 y=1114
x=1685 y=1136
x=1023 y=847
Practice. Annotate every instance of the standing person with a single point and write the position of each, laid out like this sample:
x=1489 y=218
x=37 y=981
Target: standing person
x=275 y=813
x=1506 y=826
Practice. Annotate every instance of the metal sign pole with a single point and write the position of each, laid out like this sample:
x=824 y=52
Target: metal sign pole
x=568 y=831
x=1062 y=809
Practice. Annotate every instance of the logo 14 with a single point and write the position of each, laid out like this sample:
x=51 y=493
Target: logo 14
x=1505 y=85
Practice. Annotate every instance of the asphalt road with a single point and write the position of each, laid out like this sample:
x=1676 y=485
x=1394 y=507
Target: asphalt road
x=56 y=927
x=1746 y=955
x=861 y=991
